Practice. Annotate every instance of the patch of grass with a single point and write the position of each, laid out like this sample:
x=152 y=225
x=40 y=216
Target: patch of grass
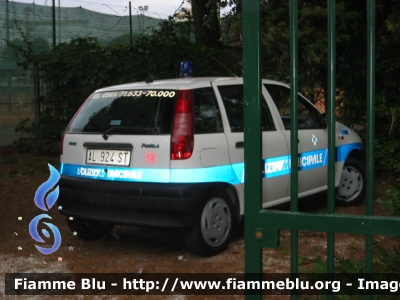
x=314 y=249
x=303 y=259
x=15 y=164
x=387 y=262
x=391 y=200
x=384 y=262
x=26 y=170
x=354 y=248
x=12 y=173
x=10 y=159
x=349 y=265
x=319 y=265
x=283 y=250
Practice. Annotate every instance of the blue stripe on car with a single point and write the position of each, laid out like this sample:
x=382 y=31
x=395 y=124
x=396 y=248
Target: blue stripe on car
x=232 y=173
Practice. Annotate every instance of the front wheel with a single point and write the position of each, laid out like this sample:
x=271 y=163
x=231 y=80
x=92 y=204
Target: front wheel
x=351 y=190
x=89 y=230
x=213 y=225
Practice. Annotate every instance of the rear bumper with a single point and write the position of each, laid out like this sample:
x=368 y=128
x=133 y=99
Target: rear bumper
x=142 y=204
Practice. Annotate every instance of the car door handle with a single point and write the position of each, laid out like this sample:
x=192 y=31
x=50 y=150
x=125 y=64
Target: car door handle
x=239 y=144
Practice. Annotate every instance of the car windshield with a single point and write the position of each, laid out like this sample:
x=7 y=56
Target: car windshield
x=141 y=111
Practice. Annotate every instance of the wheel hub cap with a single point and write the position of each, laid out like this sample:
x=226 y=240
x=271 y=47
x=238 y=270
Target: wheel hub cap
x=215 y=222
x=351 y=184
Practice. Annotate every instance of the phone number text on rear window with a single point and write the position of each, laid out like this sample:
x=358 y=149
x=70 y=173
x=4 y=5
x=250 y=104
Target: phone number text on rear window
x=158 y=93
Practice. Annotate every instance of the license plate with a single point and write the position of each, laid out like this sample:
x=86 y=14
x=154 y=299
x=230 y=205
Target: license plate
x=108 y=157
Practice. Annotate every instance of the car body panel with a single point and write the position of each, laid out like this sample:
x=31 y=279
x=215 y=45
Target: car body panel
x=216 y=160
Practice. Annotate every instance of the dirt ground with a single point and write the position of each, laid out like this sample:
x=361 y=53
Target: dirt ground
x=140 y=250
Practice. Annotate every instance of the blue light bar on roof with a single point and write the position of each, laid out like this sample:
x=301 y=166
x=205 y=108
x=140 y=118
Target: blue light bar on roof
x=186 y=69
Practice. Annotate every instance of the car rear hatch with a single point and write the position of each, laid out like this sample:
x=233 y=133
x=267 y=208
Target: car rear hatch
x=122 y=135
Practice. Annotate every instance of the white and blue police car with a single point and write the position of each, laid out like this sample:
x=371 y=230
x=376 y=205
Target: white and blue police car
x=169 y=153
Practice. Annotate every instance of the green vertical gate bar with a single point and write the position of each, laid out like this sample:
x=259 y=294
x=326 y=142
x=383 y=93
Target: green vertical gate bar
x=252 y=136
x=370 y=128
x=331 y=132
x=294 y=138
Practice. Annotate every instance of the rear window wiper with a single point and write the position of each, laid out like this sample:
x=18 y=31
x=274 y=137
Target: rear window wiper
x=112 y=130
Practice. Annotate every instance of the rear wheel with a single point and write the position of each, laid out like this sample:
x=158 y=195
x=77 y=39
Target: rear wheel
x=351 y=190
x=89 y=230
x=213 y=225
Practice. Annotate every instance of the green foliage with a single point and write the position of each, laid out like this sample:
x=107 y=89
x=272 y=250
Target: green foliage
x=349 y=265
x=231 y=29
x=9 y=159
x=302 y=259
x=72 y=71
x=351 y=64
x=384 y=262
x=352 y=78
x=124 y=39
x=388 y=262
x=342 y=265
x=319 y=265
x=23 y=50
x=283 y=250
x=391 y=200
x=20 y=52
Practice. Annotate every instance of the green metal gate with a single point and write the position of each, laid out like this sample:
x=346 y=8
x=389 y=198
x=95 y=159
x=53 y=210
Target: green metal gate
x=261 y=226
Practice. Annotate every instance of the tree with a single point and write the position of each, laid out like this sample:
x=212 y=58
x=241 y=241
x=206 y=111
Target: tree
x=206 y=23
x=22 y=51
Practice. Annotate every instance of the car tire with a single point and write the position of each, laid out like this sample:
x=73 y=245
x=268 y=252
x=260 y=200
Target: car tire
x=89 y=230
x=213 y=226
x=351 y=190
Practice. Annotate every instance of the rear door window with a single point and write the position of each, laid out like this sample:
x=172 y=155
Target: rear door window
x=232 y=97
x=136 y=111
x=207 y=116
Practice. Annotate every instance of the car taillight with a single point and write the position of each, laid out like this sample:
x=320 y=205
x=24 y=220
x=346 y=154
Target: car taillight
x=182 y=139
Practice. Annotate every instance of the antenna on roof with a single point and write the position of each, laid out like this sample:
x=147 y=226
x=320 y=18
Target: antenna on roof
x=224 y=66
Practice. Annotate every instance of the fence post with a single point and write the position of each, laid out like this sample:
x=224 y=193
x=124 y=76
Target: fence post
x=130 y=21
x=54 y=22
x=7 y=22
x=59 y=22
x=36 y=91
x=8 y=41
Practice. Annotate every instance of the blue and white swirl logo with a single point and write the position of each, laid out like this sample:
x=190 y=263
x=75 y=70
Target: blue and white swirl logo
x=40 y=202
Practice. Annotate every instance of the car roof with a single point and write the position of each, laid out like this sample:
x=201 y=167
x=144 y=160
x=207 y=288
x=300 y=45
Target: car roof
x=178 y=83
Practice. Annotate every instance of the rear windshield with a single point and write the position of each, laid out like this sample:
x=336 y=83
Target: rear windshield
x=141 y=111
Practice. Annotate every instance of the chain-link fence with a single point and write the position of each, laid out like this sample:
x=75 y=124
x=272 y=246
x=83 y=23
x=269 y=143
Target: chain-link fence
x=44 y=25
